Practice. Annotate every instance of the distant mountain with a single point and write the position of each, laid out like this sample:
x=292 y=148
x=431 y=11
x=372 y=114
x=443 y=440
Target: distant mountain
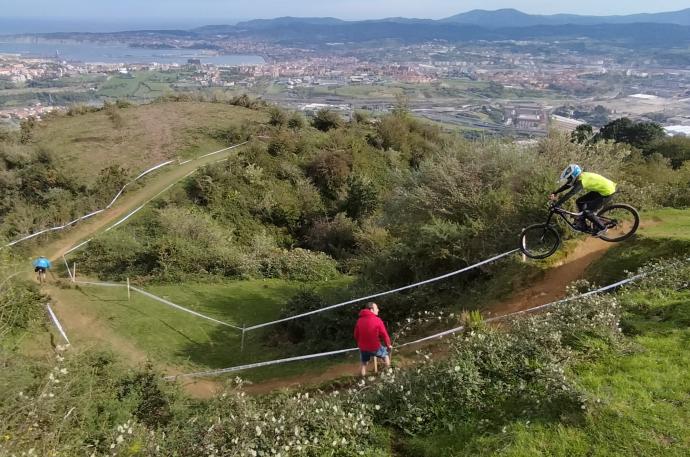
x=288 y=20
x=514 y=18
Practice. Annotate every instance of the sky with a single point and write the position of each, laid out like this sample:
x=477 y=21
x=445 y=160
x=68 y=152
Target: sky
x=198 y=12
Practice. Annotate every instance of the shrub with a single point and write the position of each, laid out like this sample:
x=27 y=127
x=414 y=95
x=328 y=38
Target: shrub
x=21 y=304
x=277 y=117
x=296 y=121
x=329 y=171
x=335 y=237
x=300 y=265
x=362 y=197
x=327 y=119
x=494 y=375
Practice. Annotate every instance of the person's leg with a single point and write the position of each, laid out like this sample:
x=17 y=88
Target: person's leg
x=587 y=205
x=363 y=359
x=591 y=206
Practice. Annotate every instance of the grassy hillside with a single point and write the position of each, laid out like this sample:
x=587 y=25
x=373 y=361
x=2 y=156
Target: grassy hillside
x=170 y=338
x=665 y=233
x=145 y=136
x=637 y=394
x=637 y=397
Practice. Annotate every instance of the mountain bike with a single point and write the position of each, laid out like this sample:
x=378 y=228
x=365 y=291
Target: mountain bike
x=540 y=241
x=40 y=274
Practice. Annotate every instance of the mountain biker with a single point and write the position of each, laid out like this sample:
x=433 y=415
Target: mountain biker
x=599 y=191
x=41 y=264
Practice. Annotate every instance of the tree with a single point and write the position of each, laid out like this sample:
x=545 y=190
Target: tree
x=277 y=117
x=362 y=197
x=26 y=127
x=676 y=149
x=582 y=134
x=296 y=122
x=110 y=180
x=327 y=119
x=641 y=135
x=329 y=171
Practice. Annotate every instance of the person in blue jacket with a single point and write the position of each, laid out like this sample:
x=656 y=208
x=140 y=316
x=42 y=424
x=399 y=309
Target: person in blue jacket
x=41 y=265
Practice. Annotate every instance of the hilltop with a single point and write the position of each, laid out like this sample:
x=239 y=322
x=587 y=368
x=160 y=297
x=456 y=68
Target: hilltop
x=509 y=17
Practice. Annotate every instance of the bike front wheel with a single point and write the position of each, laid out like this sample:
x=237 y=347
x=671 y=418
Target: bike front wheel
x=539 y=241
x=621 y=221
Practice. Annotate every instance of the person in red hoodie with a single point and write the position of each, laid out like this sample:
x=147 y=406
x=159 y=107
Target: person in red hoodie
x=369 y=333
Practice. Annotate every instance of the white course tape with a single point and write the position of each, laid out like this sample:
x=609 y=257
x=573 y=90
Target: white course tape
x=69 y=272
x=141 y=175
x=161 y=300
x=160 y=165
x=57 y=322
x=103 y=284
x=259 y=364
x=223 y=150
x=83 y=243
x=420 y=340
x=124 y=218
x=380 y=294
x=182 y=308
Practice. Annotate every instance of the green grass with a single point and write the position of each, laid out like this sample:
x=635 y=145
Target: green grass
x=670 y=223
x=639 y=398
x=665 y=234
x=142 y=85
x=174 y=338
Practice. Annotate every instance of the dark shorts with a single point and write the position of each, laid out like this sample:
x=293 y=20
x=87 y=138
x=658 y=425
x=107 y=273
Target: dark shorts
x=365 y=356
x=40 y=270
x=592 y=201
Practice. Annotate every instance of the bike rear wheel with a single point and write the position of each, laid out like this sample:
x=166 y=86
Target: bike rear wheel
x=539 y=241
x=621 y=220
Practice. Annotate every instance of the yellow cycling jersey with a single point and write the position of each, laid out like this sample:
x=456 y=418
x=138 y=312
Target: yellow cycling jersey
x=592 y=182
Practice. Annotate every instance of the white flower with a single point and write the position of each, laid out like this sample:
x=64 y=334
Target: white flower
x=258 y=431
x=377 y=407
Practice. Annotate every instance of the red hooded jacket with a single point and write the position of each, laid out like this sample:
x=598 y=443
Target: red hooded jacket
x=369 y=331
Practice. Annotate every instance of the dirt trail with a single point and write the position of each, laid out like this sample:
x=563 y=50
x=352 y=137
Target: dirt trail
x=127 y=203
x=550 y=288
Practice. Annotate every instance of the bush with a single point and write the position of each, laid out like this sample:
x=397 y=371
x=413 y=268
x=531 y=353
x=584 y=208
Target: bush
x=21 y=304
x=296 y=121
x=335 y=237
x=329 y=171
x=327 y=119
x=492 y=376
x=277 y=117
x=362 y=197
x=300 y=265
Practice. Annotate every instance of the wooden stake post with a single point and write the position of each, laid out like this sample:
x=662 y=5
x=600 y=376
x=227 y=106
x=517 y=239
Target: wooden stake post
x=129 y=295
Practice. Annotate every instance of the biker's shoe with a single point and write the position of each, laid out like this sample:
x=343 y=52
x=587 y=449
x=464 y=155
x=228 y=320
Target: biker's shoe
x=597 y=233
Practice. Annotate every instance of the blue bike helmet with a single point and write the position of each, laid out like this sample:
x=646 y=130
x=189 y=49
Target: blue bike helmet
x=570 y=173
